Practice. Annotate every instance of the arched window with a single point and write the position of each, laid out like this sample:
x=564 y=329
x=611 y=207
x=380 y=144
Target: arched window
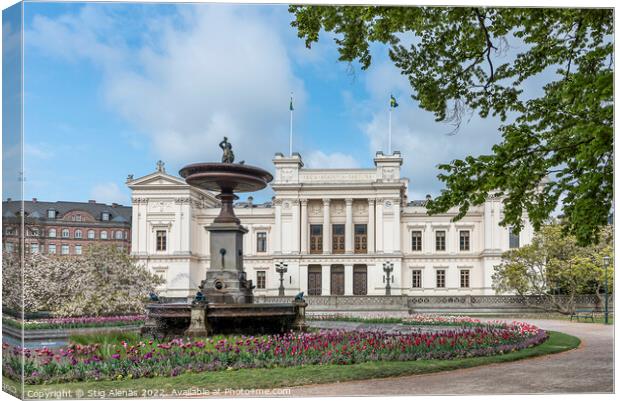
x=65 y=233
x=119 y=235
x=104 y=235
x=78 y=233
x=91 y=234
x=51 y=233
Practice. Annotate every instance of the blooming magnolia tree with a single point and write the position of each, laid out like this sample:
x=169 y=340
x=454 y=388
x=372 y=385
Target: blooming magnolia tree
x=104 y=281
x=555 y=267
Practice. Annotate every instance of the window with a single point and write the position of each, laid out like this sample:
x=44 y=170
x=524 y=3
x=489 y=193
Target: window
x=261 y=280
x=78 y=249
x=361 y=238
x=316 y=238
x=513 y=239
x=51 y=214
x=118 y=235
x=10 y=231
x=160 y=240
x=261 y=242
x=416 y=279
x=34 y=248
x=338 y=238
x=105 y=216
x=464 y=278
x=77 y=217
x=441 y=279
x=90 y=234
x=416 y=241
x=64 y=250
x=51 y=249
x=78 y=233
x=104 y=235
x=65 y=233
x=464 y=240
x=51 y=233
x=9 y=247
x=440 y=241
x=33 y=232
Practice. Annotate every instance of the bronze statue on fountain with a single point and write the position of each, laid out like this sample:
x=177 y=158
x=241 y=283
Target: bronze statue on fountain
x=224 y=302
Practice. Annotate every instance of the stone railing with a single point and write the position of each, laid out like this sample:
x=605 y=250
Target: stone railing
x=433 y=303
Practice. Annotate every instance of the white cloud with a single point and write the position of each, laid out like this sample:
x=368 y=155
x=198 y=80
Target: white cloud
x=109 y=192
x=221 y=71
x=318 y=159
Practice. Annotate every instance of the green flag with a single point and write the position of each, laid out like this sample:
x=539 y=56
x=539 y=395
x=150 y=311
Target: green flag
x=393 y=103
x=290 y=106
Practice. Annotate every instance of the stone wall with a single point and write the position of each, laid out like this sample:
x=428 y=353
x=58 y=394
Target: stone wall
x=492 y=304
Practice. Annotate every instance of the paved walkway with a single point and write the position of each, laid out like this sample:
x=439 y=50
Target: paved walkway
x=587 y=369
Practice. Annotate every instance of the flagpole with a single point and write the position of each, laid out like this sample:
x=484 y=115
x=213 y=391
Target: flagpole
x=290 y=136
x=390 y=132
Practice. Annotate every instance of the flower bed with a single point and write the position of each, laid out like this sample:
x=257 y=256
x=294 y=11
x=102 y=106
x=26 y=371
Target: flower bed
x=75 y=322
x=149 y=359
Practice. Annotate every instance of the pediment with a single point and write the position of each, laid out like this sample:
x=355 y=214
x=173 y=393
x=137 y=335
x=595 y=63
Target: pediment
x=157 y=179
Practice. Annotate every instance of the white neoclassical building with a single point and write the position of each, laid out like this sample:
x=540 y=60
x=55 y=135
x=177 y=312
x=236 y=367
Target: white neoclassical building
x=335 y=229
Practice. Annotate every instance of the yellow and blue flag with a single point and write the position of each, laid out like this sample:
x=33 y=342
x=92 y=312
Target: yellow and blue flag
x=393 y=103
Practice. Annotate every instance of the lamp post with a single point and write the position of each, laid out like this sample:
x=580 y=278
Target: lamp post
x=388 y=267
x=605 y=264
x=281 y=268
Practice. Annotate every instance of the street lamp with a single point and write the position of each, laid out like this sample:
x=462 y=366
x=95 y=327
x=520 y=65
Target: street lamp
x=605 y=264
x=388 y=267
x=281 y=268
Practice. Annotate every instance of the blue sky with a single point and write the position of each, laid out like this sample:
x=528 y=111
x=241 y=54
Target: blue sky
x=111 y=88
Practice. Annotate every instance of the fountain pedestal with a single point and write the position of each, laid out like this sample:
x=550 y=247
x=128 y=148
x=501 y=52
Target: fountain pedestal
x=225 y=301
x=226 y=281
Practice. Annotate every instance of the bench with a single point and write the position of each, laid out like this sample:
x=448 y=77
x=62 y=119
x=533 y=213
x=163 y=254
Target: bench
x=583 y=313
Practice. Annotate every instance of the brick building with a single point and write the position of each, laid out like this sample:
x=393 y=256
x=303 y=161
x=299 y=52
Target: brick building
x=64 y=228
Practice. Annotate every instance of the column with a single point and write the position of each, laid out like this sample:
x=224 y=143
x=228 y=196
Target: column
x=371 y=226
x=379 y=239
x=327 y=228
x=488 y=225
x=397 y=244
x=303 y=278
x=295 y=226
x=348 y=279
x=348 y=228
x=277 y=230
x=325 y=279
x=304 y=226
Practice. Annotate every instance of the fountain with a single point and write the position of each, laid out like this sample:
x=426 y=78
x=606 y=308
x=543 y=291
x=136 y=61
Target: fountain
x=224 y=301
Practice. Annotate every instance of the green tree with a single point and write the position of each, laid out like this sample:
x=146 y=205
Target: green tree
x=556 y=268
x=557 y=147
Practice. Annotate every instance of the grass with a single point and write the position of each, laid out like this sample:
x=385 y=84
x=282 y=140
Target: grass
x=281 y=377
x=599 y=318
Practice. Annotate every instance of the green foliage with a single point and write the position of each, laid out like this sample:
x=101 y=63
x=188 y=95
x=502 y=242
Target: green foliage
x=556 y=267
x=556 y=146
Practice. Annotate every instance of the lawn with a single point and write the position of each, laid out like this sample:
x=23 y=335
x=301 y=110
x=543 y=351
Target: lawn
x=272 y=378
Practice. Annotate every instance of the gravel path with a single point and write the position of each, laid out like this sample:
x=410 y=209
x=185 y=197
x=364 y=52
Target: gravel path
x=587 y=369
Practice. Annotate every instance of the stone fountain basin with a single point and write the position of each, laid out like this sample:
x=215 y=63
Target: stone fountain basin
x=228 y=318
x=226 y=176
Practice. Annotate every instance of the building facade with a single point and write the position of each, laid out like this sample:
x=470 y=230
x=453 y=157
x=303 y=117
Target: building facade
x=64 y=228
x=337 y=230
